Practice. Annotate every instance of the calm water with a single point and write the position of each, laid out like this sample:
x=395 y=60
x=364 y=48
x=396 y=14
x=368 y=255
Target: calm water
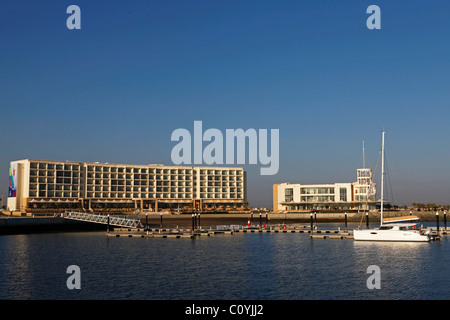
x=240 y=266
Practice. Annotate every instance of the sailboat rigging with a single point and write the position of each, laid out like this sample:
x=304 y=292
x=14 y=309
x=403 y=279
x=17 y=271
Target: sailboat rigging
x=391 y=229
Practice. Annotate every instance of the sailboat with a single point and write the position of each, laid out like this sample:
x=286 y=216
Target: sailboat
x=391 y=229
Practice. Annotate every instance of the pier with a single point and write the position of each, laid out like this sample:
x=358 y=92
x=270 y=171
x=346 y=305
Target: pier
x=190 y=233
x=263 y=227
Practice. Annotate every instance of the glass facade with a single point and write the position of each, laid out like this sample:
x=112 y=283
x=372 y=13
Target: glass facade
x=106 y=181
x=289 y=194
x=317 y=190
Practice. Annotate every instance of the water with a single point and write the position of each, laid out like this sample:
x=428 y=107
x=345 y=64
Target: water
x=247 y=266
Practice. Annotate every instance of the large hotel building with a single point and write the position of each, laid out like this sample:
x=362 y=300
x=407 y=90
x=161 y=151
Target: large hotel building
x=48 y=186
x=335 y=196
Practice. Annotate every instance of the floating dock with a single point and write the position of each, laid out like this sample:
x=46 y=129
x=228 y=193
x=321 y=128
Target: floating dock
x=333 y=235
x=223 y=230
x=186 y=233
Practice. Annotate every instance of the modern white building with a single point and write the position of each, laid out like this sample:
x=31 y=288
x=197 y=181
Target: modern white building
x=333 y=196
x=43 y=186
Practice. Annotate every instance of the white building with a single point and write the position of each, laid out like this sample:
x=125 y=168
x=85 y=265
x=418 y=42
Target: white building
x=351 y=195
x=47 y=186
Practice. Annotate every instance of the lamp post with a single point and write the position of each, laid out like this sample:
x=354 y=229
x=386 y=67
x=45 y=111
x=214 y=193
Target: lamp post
x=260 y=220
x=445 y=221
x=367 y=220
x=437 y=226
x=346 y=221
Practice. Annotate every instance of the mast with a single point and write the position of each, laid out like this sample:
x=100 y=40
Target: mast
x=364 y=156
x=382 y=175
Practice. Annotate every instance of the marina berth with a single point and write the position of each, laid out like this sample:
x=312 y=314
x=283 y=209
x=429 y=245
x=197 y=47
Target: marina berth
x=397 y=232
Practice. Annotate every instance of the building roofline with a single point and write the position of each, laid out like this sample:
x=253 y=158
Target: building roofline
x=131 y=165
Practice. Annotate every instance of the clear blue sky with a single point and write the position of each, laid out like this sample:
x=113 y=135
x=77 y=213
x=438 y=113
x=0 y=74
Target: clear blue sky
x=137 y=70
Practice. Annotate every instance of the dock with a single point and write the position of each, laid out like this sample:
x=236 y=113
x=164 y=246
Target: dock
x=165 y=233
x=185 y=233
x=333 y=234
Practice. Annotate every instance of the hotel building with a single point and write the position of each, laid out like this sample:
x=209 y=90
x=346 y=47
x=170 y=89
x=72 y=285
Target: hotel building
x=335 y=196
x=49 y=186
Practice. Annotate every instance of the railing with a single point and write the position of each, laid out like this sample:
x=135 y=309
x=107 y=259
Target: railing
x=113 y=220
x=232 y=227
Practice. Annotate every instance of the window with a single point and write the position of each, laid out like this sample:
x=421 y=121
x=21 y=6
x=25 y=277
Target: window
x=343 y=194
x=288 y=194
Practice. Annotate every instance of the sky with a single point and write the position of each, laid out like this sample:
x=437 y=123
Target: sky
x=115 y=90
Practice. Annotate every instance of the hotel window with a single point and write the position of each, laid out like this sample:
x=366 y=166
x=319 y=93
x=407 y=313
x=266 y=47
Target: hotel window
x=288 y=194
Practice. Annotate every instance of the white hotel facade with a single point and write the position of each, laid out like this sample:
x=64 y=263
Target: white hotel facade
x=333 y=196
x=46 y=186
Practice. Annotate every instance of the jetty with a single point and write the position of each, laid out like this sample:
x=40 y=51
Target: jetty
x=191 y=233
x=144 y=231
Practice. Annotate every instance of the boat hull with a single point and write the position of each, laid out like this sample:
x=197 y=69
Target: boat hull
x=389 y=235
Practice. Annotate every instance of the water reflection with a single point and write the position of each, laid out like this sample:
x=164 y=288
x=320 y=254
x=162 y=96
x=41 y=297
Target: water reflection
x=15 y=264
x=406 y=267
x=240 y=266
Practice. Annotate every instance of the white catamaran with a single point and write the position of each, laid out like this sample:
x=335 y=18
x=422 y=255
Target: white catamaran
x=391 y=229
